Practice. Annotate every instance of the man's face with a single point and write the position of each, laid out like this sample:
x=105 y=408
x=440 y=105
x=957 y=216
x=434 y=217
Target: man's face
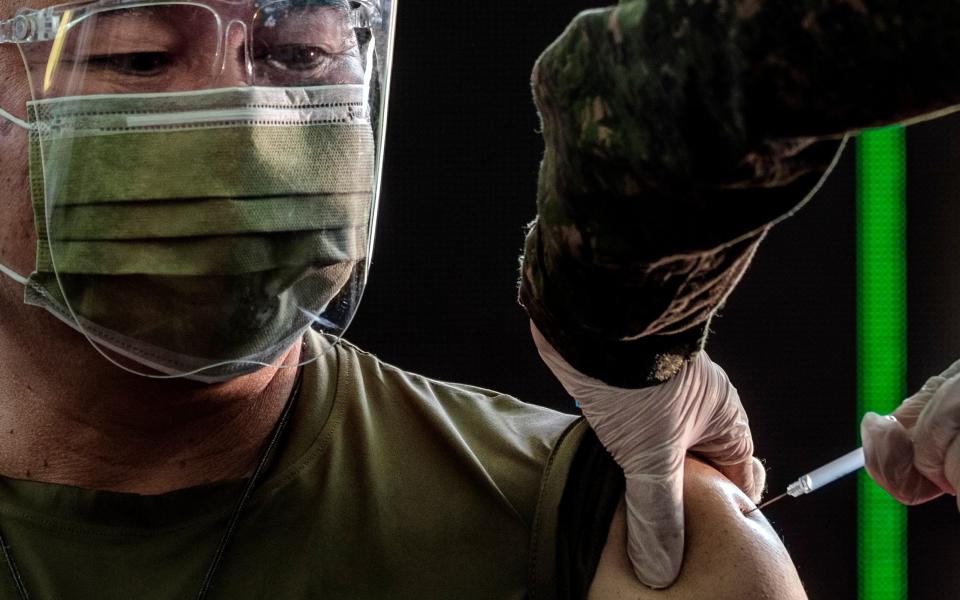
x=160 y=49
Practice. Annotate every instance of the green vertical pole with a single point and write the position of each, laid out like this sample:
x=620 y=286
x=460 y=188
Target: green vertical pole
x=881 y=347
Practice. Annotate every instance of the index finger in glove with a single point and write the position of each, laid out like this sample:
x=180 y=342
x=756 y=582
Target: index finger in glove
x=908 y=412
x=732 y=455
x=748 y=475
x=724 y=439
x=937 y=428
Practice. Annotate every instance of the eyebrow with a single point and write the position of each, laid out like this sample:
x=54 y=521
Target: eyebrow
x=172 y=16
x=144 y=13
x=341 y=4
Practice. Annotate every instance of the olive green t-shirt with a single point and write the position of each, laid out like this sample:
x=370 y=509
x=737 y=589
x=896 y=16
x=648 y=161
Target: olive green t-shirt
x=387 y=485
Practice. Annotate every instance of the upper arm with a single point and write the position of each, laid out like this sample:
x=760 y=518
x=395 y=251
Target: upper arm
x=728 y=555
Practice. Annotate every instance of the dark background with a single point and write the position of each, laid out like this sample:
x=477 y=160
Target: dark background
x=459 y=184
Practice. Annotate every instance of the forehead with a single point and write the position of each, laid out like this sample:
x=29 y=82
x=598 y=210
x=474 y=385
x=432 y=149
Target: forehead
x=9 y=7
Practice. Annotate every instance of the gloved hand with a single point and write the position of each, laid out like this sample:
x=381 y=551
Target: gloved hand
x=914 y=454
x=649 y=431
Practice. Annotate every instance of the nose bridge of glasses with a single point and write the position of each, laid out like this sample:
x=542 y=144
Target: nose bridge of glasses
x=237 y=63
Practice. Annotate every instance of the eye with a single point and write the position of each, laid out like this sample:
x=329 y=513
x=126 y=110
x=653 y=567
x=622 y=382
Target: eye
x=140 y=64
x=294 y=57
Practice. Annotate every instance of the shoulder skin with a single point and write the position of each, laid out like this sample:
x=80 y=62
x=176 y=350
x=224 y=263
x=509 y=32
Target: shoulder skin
x=729 y=555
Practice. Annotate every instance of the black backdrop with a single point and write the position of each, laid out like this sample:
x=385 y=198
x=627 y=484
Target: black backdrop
x=459 y=185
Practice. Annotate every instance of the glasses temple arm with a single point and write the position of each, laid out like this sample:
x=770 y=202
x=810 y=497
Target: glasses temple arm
x=30 y=26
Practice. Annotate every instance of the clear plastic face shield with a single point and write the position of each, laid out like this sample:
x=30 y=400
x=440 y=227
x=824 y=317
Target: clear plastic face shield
x=204 y=174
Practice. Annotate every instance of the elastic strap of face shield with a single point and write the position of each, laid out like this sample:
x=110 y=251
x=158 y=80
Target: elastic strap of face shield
x=15 y=120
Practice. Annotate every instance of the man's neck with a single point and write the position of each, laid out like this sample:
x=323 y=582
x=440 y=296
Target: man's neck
x=78 y=420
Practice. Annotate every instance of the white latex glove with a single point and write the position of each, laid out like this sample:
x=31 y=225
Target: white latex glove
x=915 y=453
x=649 y=431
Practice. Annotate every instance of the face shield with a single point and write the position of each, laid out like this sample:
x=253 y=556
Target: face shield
x=204 y=174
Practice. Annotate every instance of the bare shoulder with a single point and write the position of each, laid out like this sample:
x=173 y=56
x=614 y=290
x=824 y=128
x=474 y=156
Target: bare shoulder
x=729 y=555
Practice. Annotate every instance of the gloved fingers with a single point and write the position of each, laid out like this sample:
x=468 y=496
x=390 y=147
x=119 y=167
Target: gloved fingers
x=727 y=443
x=655 y=527
x=759 y=480
x=749 y=475
x=936 y=429
x=951 y=371
x=734 y=458
x=951 y=464
x=889 y=454
x=908 y=412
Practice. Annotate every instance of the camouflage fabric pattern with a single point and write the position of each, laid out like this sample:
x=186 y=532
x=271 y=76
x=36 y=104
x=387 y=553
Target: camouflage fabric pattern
x=677 y=132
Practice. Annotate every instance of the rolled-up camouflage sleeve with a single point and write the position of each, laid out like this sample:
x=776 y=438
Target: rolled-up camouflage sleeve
x=677 y=132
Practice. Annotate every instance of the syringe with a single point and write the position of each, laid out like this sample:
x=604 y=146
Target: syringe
x=816 y=479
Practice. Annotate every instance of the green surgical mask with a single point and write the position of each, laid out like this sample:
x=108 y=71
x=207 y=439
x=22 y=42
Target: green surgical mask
x=201 y=233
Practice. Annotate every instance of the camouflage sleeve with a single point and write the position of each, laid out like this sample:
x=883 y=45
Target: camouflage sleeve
x=677 y=132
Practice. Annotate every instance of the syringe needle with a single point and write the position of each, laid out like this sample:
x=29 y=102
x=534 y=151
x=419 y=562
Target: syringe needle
x=816 y=479
x=765 y=504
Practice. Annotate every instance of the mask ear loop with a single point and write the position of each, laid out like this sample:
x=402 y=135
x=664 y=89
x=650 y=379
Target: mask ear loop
x=13 y=274
x=15 y=120
x=3 y=268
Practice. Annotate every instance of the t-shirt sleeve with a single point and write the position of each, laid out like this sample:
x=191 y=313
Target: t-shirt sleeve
x=579 y=493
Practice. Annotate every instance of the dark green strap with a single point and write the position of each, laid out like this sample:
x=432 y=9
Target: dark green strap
x=594 y=489
x=541 y=574
x=580 y=491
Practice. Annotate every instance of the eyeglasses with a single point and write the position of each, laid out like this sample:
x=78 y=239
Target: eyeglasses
x=130 y=46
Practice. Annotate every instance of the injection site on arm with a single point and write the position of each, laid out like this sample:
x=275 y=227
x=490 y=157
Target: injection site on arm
x=729 y=555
